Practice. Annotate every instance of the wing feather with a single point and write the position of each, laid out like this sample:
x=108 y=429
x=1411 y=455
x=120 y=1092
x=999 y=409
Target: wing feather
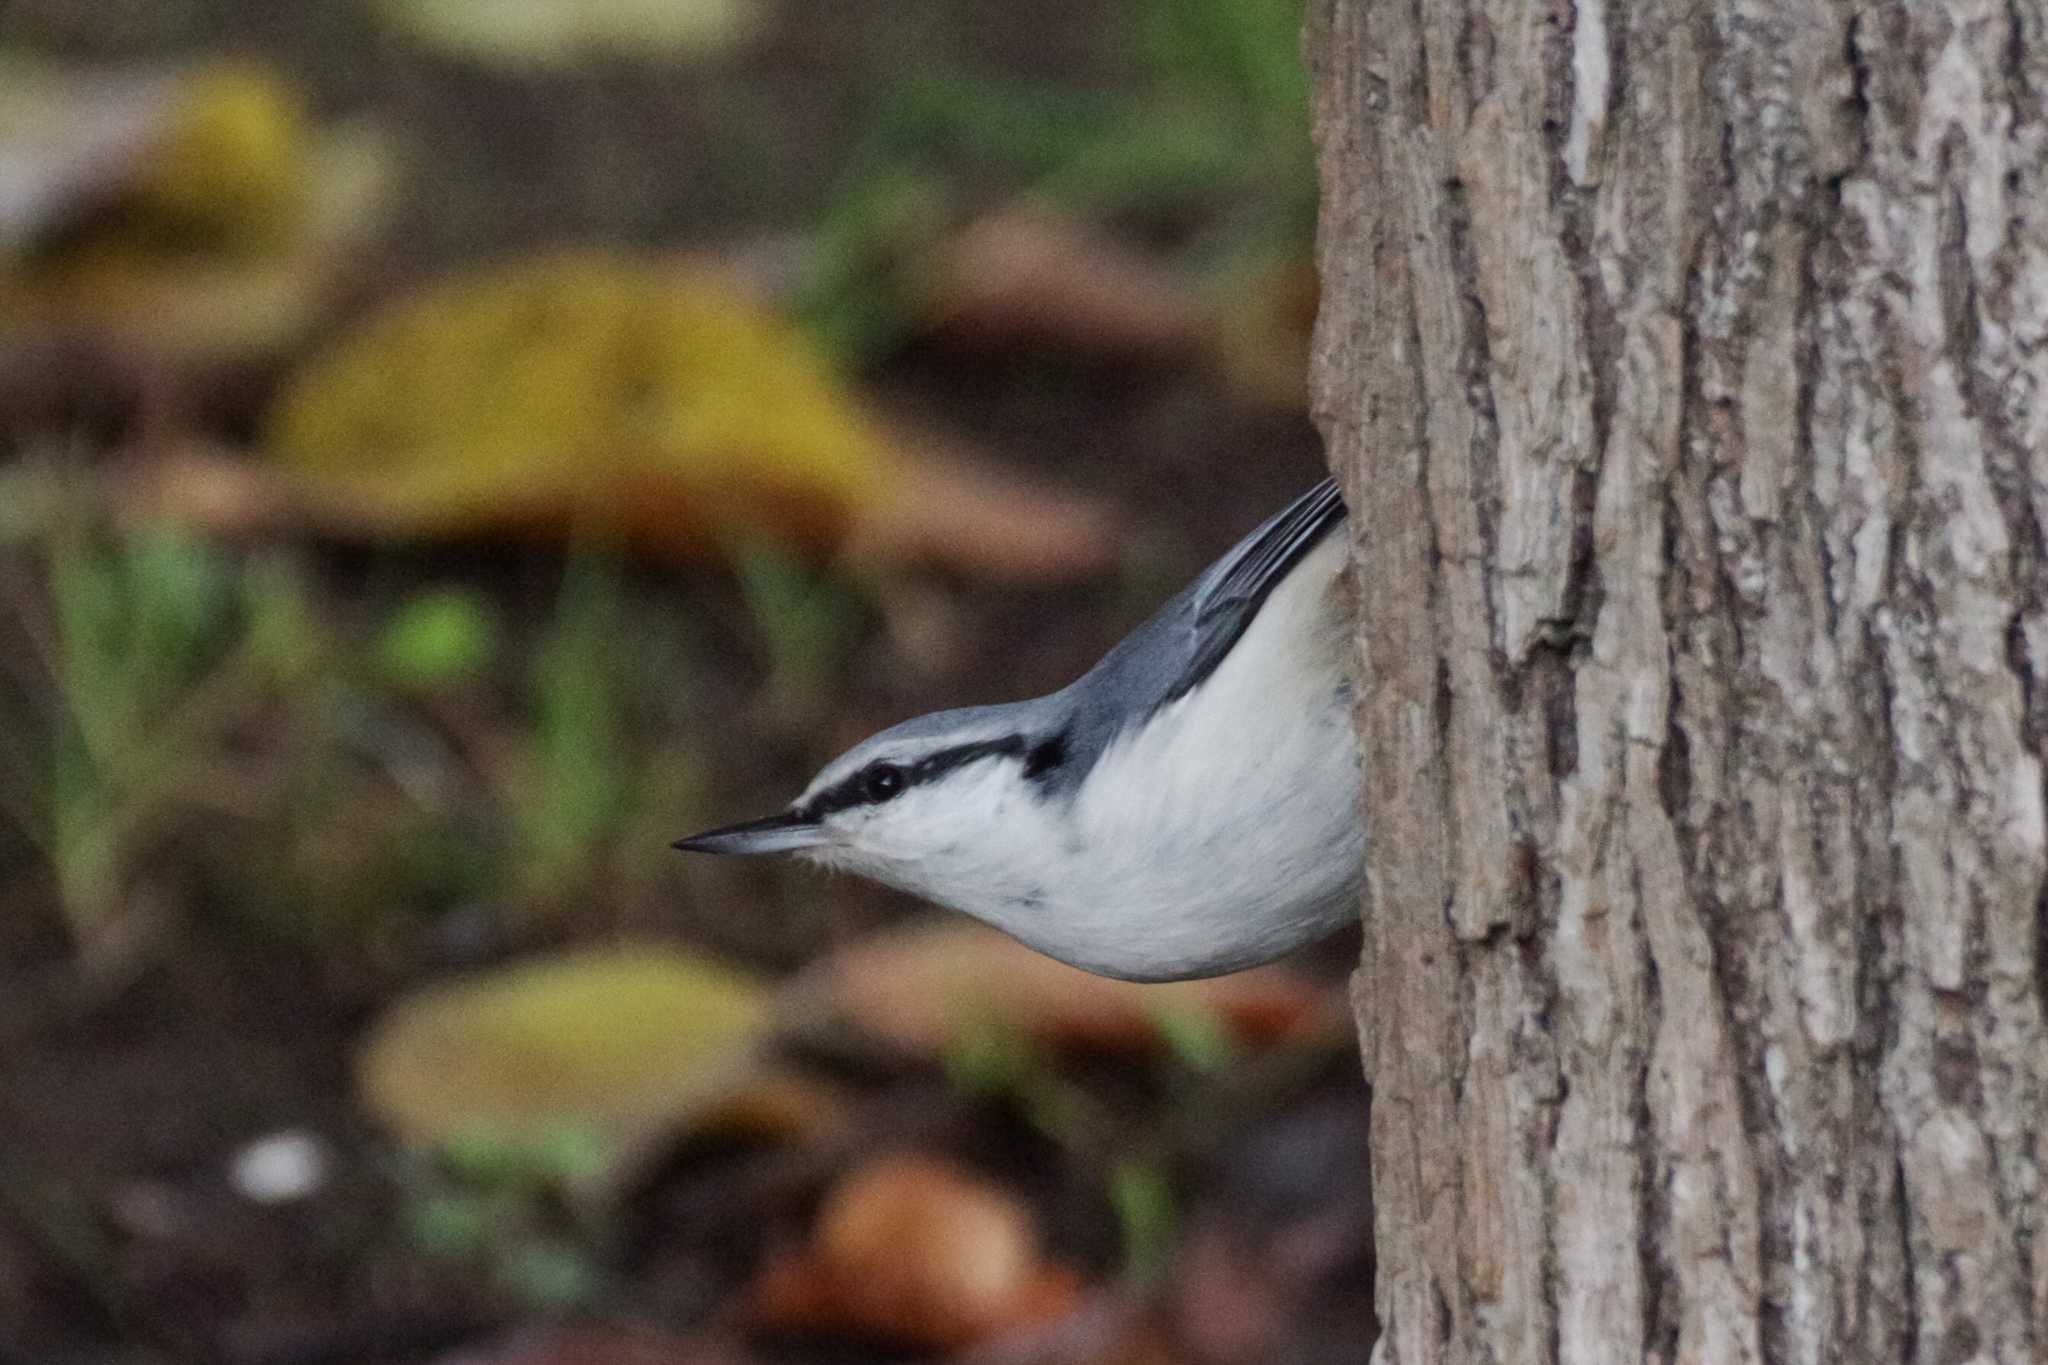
x=1235 y=587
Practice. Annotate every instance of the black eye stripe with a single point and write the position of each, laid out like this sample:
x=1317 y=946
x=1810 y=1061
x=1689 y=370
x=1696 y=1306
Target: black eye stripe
x=864 y=789
x=939 y=764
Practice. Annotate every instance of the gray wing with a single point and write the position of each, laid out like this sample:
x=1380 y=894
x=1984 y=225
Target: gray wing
x=1163 y=659
x=1229 y=595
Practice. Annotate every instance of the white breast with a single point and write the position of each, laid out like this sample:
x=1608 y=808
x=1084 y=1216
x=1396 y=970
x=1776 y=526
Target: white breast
x=1225 y=832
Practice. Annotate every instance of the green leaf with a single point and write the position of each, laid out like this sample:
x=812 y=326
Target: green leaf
x=549 y=1156
x=1149 y=1215
x=284 y=636
x=437 y=638
x=553 y=1276
x=988 y=1058
x=179 y=592
x=807 y=622
x=450 y=1224
x=1196 y=1037
x=578 y=791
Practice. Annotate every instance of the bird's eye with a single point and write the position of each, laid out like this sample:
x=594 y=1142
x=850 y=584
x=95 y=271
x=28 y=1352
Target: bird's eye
x=882 y=781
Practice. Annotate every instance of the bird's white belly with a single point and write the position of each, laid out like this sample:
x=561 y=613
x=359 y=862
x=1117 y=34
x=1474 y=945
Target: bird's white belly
x=1226 y=832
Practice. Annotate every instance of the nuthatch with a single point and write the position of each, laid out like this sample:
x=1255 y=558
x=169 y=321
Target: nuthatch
x=1190 y=806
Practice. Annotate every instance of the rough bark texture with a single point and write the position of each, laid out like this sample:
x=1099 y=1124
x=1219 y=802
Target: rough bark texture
x=1686 y=364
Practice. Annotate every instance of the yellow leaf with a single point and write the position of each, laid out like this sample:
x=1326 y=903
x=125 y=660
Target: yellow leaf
x=232 y=166
x=621 y=1040
x=584 y=391
x=206 y=158
x=189 y=217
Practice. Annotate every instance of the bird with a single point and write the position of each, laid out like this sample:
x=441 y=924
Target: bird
x=1190 y=806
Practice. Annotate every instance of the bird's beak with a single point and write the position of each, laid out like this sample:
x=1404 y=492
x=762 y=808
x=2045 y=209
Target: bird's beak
x=784 y=833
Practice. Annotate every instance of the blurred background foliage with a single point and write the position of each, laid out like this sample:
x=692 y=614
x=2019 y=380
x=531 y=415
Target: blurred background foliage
x=449 y=448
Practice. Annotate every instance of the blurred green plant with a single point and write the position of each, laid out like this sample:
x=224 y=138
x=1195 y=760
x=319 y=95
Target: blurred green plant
x=374 y=819
x=195 y=702
x=1133 y=1149
x=507 y=1203
x=1202 y=1086
x=1148 y=1212
x=579 y=778
x=807 y=621
x=438 y=637
x=575 y=795
x=1197 y=1038
x=991 y=1060
x=1208 y=145
x=147 y=666
x=527 y=806
x=175 y=716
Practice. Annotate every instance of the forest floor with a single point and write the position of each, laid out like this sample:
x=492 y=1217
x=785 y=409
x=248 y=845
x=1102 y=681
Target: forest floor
x=1192 y=1178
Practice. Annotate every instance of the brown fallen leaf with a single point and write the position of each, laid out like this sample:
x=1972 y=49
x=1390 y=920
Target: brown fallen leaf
x=916 y=1250
x=775 y=1104
x=1027 y=274
x=924 y=988
x=947 y=506
x=958 y=516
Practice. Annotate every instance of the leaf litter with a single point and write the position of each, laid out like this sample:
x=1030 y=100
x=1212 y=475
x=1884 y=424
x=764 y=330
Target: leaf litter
x=608 y=438
x=182 y=216
x=619 y=400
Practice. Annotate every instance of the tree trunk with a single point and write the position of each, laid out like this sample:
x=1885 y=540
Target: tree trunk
x=1686 y=365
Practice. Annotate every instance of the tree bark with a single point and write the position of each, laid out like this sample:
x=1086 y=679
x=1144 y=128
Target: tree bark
x=1686 y=366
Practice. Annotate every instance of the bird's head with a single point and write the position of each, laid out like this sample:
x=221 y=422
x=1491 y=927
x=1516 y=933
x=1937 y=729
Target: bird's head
x=924 y=806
